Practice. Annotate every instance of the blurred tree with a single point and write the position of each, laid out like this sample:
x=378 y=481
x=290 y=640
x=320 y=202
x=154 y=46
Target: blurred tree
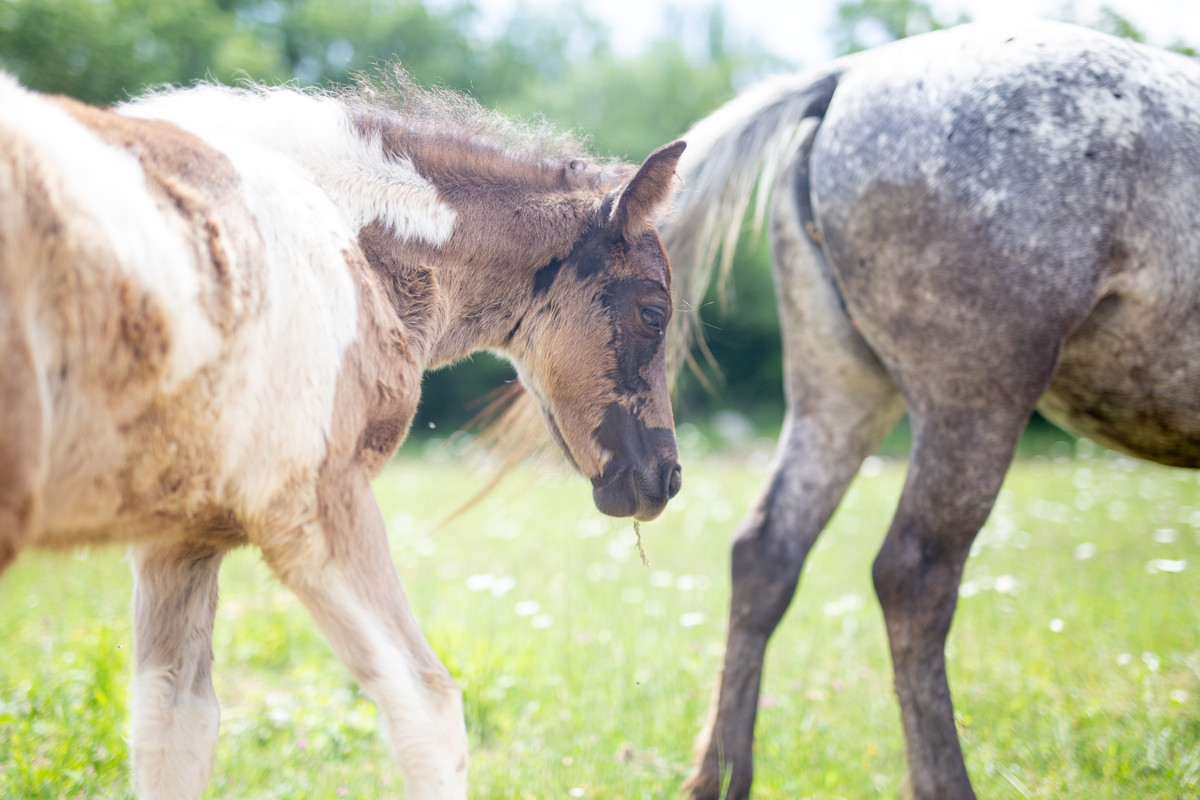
x=104 y=50
x=862 y=24
x=326 y=41
x=1108 y=20
x=631 y=105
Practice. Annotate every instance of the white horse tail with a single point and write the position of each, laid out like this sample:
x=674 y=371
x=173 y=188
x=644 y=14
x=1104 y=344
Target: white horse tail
x=742 y=144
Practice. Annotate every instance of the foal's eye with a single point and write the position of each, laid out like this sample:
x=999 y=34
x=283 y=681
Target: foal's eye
x=654 y=318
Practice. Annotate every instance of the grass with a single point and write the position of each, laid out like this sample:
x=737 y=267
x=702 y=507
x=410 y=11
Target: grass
x=1075 y=656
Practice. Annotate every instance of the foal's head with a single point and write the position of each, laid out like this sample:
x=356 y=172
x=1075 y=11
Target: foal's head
x=592 y=349
x=550 y=258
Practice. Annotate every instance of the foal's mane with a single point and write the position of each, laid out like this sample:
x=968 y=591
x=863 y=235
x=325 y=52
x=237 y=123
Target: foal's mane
x=460 y=134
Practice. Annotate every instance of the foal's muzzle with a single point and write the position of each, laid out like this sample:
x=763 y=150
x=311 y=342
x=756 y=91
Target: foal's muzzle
x=641 y=494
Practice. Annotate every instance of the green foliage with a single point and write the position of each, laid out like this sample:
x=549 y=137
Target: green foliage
x=104 y=50
x=630 y=105
x=326 y=41
x=1109 y=21
x=85 y=707
x=62 y=713
x=865 y=23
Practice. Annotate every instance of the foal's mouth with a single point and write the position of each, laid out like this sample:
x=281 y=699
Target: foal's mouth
x=624 y=491
x=628 y=492
x=617 y=496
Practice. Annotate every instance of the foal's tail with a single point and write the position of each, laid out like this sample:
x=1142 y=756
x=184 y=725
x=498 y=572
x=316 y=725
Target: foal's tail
x=741 y=145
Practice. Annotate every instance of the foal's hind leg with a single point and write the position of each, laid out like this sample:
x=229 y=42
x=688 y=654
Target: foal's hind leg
x=840 y=404
x=175 y=713
x=344 y=574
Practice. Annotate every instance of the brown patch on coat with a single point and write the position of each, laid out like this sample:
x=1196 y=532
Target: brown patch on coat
x=144 y=333
x=199 y=186
x=408 y=283
x=24 y=201
x=171 y=463
x=380 y=371
x=376 y=398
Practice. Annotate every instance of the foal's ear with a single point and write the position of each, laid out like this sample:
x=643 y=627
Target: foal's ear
x=652 y=186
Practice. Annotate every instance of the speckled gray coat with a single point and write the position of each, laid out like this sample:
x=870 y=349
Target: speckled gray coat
x=966 y=226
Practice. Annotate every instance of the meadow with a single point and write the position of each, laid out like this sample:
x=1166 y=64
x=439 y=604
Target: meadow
x=1074 y=657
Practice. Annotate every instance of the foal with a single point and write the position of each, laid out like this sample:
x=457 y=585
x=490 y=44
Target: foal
x=215 y=309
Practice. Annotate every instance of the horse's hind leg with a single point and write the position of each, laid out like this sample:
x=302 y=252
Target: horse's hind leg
x=958 y=464
x=840 y=405
x=175 y=713
x=343 y=573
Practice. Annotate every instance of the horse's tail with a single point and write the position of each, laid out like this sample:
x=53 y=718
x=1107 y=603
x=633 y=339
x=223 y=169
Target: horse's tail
x=741 y=145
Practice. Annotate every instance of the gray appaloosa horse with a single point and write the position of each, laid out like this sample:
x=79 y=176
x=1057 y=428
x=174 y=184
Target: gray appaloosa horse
x=967 y=226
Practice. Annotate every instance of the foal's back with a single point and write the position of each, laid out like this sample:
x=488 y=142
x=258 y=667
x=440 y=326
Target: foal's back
x=144 y=280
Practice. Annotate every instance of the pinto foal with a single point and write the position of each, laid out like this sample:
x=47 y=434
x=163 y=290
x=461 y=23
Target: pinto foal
x=215 y=309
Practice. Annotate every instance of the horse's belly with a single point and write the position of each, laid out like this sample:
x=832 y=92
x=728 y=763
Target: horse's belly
x=1129 y=378
x=208 y=458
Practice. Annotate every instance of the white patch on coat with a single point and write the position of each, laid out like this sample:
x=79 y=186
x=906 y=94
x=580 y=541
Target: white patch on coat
x=283 y=366
x=108 y=186
x=174 y=737
x=425 y=730
x=316 y=134
x=273 y=378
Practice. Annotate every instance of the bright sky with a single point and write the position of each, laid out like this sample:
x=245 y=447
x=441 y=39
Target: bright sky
x=797 y=29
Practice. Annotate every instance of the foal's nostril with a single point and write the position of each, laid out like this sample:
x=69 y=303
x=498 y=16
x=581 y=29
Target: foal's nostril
x=673 y=480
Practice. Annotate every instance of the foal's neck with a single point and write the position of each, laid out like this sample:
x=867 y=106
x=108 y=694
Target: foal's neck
x=512 y=217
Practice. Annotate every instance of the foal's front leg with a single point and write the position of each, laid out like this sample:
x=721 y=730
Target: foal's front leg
x=342 y=571
x=175 y=713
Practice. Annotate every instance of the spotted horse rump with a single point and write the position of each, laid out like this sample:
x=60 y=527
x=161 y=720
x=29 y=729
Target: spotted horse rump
x=965 y=226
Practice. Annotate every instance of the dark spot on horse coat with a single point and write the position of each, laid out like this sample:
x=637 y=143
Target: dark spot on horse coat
x=145 y=334
x=544 y=278
x=631 y=349
x=590 y=254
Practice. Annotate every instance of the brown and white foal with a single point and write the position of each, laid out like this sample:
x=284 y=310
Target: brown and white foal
x=215 y=309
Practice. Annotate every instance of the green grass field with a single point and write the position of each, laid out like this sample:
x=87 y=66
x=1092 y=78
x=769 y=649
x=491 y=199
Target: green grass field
x=1075 y=656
